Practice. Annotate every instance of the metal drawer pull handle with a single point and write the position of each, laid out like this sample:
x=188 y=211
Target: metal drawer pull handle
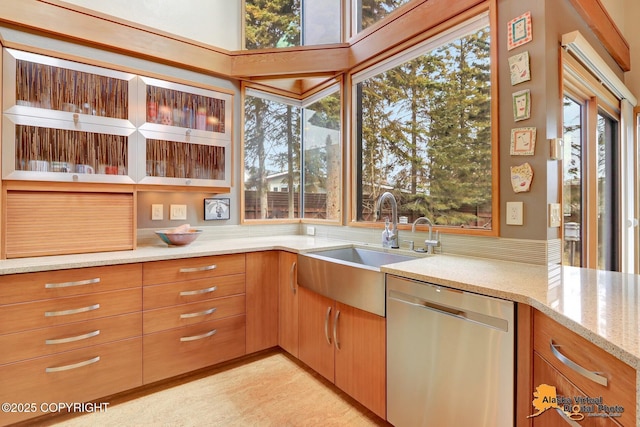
x=291 y=277
x=326 y=325
x=567 y=419
x=593 y=376
x=73 y=311
x=196 y=269
x=335 y=330
x=198 y=337
x=200 y=313
x=73 y=339
x=199 y=291
x=73 y=366
x=69 y=284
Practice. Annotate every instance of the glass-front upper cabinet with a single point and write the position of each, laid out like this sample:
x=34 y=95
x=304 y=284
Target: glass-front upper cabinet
x=66 y=121
x=185 y=138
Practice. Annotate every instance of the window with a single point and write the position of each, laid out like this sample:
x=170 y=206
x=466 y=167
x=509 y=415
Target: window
x=368 y=12
x=423 y=130
x=292 y=156
x=284 y=23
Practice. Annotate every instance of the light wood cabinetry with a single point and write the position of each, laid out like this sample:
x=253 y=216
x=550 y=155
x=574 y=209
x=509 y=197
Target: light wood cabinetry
x=346 y=345
x=262 y=300
x=69 y=336
x=194 y=314
x=288 y=303
x=578 y=368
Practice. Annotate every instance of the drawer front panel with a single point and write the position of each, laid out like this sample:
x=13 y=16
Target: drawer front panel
x=60 y=311
x=47 y=341
x=621 y=378
x=90 y=373
x=189 y=314
x=192 y=291
x=192 y=268
x=177 y=351
x=16 y=288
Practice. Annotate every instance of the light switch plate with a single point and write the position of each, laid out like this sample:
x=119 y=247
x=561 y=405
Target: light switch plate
x=555 y=215
x=157 y=212
x=178 y=212
x=514 y=213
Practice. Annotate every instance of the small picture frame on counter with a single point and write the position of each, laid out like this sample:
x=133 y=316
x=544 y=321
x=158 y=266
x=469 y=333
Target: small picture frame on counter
x=217 y=209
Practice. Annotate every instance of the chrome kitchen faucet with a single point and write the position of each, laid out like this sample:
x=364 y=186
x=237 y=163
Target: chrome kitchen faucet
x=393 y=236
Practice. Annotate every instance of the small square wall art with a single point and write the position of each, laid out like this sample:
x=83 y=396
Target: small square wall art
x=523 y=141
x=519 y=31
x=519 y=68
x=521 y=105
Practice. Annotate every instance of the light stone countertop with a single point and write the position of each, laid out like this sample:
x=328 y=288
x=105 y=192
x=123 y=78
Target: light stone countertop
x=601 y=306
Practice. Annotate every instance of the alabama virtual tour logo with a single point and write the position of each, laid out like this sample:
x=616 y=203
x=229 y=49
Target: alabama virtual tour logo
x=576 y=407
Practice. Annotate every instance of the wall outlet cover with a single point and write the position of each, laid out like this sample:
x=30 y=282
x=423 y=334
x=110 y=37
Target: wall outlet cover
x=157 y=212
x=514 y=213
x=178 y=212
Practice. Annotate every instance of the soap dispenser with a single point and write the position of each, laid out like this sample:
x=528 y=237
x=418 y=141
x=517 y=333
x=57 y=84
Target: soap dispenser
x=385 y=234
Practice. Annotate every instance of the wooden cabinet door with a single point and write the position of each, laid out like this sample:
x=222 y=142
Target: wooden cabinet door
x=360 y=356
x=262 y=300
x=288 y=303
x=315 y=330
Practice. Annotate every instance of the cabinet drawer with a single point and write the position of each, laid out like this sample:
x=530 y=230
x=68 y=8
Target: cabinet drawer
x=193 y=347
x=158 y=296
x=544 y=373
x=59 y=311
x=191 y=268
x=15 y=288
x=621 y=378
x=189 y=314
x=75 y=376
x=47 y=341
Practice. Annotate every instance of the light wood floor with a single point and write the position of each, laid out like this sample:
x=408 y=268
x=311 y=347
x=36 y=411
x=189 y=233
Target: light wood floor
x=270 y=389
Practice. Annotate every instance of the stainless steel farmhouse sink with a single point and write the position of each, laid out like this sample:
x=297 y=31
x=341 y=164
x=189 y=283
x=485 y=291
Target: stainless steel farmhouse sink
x=349 y=275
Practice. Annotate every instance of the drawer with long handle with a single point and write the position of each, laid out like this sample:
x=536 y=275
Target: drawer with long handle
x=16 y=288
x=192 y=268
x=181 y=350
x=46 y=341
x=58 y=311
x=187 y=291
x=594 y=371
x=187 y=314
x=75 y=376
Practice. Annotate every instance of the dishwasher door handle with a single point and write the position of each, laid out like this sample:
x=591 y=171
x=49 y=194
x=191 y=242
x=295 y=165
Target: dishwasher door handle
x=470 y=316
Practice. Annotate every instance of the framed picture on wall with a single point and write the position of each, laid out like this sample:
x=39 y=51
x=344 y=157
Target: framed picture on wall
x=519 y=31
x=521 y=105
x=523 y=141
x=217 y=209
x=519 y=68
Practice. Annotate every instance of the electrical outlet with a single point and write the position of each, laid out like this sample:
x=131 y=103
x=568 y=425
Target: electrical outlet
x=157 y=212
x=311 y=231
x=555 y=217
x=514 y=213
x=178 y=212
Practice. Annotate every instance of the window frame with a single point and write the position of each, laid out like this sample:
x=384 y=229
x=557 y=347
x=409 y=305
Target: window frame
x=303 y=101
x=384 y=61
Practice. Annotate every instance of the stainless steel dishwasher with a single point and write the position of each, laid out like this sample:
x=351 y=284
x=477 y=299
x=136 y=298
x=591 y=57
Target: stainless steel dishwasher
x=450 y=357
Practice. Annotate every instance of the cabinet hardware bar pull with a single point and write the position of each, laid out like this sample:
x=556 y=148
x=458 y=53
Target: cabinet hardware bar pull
x=73 y=311
x=593 y=376
x=199 y=291
x=567 y=419
x=72 y=366
x=335 y=330
x=73 y=339
x=200 y=313
x=196 y=269
x=69 y=284
x=198 y=337
x=291 y=277
x=326 y=325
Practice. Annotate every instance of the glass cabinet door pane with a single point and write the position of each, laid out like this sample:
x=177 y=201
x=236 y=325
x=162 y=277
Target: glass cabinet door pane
x=175 y=108
x=62 y=150
x=185 y=160
x=63 y=89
